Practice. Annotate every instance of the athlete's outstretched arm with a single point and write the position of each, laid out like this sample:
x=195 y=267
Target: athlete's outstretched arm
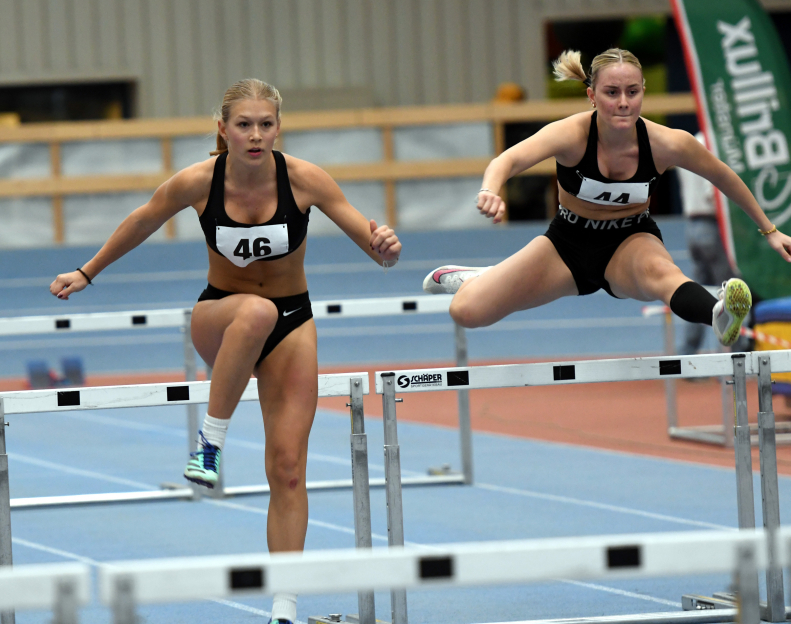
x=184 y=189
x=552 y=140
x=378 y=241
x=683 y=150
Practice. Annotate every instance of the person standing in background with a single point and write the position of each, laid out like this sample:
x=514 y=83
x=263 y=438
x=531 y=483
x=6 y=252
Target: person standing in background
x=710 y=265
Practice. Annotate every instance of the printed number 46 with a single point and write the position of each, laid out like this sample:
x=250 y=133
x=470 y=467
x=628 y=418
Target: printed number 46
x=259 y=248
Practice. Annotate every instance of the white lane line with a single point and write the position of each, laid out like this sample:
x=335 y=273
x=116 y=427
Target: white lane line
x=61 y=468
x=180 y=433
x=621 y=592
x=344 y=332
x=98 y=564
x=310 y=269
x=57 y=551
x=350 y=531
x=604 y=506
x=311 y=522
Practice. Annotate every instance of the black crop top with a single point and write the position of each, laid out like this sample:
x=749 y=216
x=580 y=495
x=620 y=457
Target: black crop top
x=242 y=243
x=586 y=182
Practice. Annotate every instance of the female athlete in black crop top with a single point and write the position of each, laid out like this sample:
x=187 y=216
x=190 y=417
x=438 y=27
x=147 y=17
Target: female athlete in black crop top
x=254 y=317
x=602 y=236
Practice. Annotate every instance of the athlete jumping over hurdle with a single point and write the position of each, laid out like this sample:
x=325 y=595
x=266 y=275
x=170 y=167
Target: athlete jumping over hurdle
x=608 y=163
x=254 y=317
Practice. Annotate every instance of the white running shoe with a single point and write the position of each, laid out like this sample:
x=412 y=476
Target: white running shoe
x=448 y=279
x=730 y=311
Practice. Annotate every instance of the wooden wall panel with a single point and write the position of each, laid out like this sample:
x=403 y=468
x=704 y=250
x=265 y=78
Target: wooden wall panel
x=261 y=42
x=84 y=26
x=234 y=40
x=108 y=35
x=358 y=42
x=431 y=59
x=455 y=39
x=481 y=57
x=407 y=52
x=33 y=40
x=57 y=30
x=308 y=26
x=287 y=44
x=333 y=58
x=208 y=75
x=159 y=16
x=185 y=53
x=382 y=44
x=184 y=48
x=9 y=37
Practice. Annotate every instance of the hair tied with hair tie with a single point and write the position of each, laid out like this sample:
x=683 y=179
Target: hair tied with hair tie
x=587 y=81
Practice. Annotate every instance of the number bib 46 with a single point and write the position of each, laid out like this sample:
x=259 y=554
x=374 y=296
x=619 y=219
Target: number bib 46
x=245 y=245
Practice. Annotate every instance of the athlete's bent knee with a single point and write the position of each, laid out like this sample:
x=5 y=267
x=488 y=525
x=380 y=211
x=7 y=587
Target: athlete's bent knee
x=256 y=317
x=466 y=313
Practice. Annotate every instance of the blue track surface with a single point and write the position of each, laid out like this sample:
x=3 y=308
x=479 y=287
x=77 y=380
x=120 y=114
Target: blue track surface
x=524 y=489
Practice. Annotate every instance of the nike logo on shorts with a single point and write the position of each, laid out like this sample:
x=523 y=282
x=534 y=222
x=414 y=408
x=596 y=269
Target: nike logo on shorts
x=292 y=311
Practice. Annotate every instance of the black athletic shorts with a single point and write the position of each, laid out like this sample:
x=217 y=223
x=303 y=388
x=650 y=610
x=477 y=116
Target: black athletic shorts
x=587 y=246
x=292 y=312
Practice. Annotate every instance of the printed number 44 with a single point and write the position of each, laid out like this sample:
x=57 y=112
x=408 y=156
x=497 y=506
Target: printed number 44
x=260 y=248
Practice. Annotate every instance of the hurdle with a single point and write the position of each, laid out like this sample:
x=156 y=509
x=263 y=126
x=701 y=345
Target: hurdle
x=58 y=587
x=353 y=385
x=124 y=585
x=180 y=318
x=738 y=366
x=719 y=435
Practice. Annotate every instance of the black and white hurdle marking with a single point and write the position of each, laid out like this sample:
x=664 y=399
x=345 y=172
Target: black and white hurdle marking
x=125 y=585
x=181 y=317
x=739 y=366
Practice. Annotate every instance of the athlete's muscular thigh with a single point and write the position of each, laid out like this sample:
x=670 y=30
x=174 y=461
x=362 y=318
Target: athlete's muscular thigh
x=211 y=318
x=288 y=387
x=641 y=268
x=533 y=276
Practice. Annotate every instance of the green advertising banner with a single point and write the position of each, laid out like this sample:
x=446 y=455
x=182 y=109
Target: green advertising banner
x=742 y=85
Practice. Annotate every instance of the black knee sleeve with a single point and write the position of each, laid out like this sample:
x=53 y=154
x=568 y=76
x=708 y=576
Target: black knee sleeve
x=693 y=303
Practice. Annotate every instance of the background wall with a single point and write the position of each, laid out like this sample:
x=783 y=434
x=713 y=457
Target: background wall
x=183 y=54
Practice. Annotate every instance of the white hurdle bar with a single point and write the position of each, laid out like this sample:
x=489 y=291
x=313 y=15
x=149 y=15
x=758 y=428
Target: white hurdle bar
x=353 y=385
x=181 y=318
x=58 y=587
x=738 y=365
x=155 y=581
x=148 y=395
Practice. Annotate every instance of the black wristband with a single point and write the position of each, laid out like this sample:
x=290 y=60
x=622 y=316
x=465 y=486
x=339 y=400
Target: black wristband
x=85 y=275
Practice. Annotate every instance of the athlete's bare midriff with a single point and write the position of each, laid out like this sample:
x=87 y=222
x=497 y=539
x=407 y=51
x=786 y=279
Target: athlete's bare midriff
x=589 y=210
x=268 y=279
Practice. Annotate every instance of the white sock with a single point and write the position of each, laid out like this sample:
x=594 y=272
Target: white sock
x=214 y=430
x=284 y=607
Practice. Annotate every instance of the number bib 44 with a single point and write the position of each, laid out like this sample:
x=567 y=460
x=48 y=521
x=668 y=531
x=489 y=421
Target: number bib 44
x=613 y=193
x=245 y=245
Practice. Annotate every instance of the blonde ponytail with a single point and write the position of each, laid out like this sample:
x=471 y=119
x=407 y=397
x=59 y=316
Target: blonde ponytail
x=568 y=66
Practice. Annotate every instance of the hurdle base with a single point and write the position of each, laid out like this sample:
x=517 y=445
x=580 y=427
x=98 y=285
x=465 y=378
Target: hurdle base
x=715 y=434
x=721 y=600
x=670 y=617
x=173 y=491
x=332 y=618
x=346 y=484
x=353 y=618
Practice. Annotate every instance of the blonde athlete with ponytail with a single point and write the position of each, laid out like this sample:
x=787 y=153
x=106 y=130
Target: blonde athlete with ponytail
x=608 y=164
x=254 y=316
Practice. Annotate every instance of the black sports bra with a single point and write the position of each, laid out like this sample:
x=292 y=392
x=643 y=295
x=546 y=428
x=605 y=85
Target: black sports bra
x=242 y=243
x=586 y=182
